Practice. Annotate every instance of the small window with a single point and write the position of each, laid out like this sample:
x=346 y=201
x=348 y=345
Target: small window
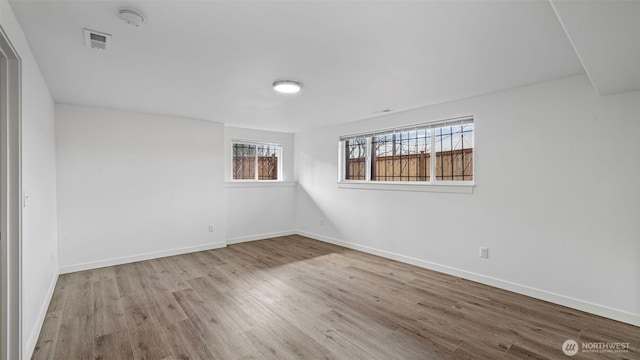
x=437 y=152
x=256 y=161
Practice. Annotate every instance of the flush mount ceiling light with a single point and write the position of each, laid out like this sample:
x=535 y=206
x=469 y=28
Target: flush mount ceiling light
x=131 y=17
x=287 y=86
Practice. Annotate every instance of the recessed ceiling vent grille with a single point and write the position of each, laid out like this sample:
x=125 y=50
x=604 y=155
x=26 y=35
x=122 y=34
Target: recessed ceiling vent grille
x=96 y=40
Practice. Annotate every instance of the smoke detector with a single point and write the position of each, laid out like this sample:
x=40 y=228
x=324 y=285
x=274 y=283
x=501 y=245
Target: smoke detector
x=96 y=40
x=131 y=17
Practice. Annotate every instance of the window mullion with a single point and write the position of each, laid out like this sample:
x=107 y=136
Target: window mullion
x=255 y=169
x=432 y=172
x=368 y=158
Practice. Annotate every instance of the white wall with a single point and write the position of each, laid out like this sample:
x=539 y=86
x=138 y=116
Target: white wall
x=39 y=232
x=557 y=198
x=258 y=211
x=134 y=186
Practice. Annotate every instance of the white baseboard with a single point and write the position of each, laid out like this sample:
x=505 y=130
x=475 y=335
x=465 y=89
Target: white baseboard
x=140 y=257
x=33 y=338
x=611 y=313
x=158 y=254
x=242 y=239
x=615 y=314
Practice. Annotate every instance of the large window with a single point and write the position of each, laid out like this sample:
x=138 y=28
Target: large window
x=256 y=161
x=440 y=152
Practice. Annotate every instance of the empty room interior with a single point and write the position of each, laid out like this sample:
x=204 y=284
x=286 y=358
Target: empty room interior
x=320 y=179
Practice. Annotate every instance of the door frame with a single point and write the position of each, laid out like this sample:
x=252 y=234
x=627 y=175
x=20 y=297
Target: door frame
x=10 y=200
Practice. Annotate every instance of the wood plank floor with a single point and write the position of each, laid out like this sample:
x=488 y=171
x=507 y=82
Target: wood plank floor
x=296 y=298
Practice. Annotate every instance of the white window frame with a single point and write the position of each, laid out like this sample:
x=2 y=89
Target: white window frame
x=257 y=143
x=432 y=185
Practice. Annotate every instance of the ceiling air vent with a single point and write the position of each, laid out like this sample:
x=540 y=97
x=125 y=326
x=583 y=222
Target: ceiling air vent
x=96 y=40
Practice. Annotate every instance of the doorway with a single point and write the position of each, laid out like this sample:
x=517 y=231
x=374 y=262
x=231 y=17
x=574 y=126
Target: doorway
x=10 y=201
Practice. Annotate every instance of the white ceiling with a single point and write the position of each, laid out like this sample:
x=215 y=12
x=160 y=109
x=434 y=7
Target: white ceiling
x=216 y=60
x=606 y=36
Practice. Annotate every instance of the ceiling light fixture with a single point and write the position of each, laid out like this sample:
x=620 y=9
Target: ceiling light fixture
x=131 y=17
x=287 y=86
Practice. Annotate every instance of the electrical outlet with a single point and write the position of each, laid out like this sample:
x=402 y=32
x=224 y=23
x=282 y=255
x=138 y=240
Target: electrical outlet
x=210 y=227
x=321 y=222
x=484 y=252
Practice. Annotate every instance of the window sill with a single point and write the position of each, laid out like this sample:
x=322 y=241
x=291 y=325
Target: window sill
x=457 y=188
x=263 y=183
